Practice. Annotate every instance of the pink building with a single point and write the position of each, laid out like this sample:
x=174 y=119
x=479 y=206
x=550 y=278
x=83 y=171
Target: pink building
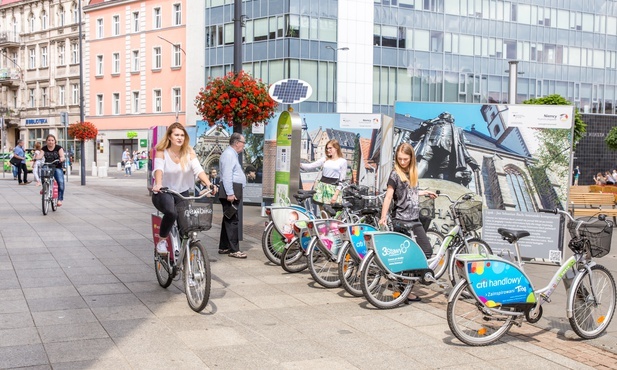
x=135 y=70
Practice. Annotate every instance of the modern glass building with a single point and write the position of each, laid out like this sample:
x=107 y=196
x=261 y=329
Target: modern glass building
x=365 y=55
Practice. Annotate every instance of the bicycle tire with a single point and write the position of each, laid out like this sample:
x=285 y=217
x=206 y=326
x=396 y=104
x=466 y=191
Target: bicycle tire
x=164 y=274
x=349 y=272
x=455 y=268
x=322 y=267
x=380 y=290
x=293 y=259
x=590 y=316
x=197 y=277
x=44 y=196
x=272 y=244
x=436 y=238
x=53 y=201
x=470 y=322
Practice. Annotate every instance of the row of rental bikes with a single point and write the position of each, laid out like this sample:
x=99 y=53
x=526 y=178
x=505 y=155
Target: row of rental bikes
x=343 y=245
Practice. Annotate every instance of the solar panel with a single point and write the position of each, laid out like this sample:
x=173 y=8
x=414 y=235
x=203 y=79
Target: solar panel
x=290 y=91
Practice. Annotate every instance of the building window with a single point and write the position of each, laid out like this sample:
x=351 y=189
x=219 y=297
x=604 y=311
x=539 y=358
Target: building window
x=157 y=62
x=115 y=25
x=99 y=28
x=74 y=94
x=135 y=63
x=115 y=108
x=43 y=20
x=157 y=101
x=156 y=22
x=519 y=190
x=115 y=63
x=177 y=14
x=135 y=102
x=177 y=58
x=61 y=55
x=135 y=21
x=75 y=13
x=32 y=60
x=74 y=53
x=60 y=16
x=61 y=99
x=31 y=22
x=99 y=65
x=99 y=104
x=31 y=98
x=43 y=97
x=43 y=56
x=176 y=99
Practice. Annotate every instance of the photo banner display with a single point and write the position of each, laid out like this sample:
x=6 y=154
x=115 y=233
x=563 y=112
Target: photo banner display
x=516 y=159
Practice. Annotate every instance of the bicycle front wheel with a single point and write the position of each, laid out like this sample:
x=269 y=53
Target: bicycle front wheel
x=594 y=303
x=322 y=268
x=456 y=268
x=380 y=290
x=44 y=197
x=470 y=321
x=197 y=278
x=349 y=272
x=272 y=244
x=293 y=258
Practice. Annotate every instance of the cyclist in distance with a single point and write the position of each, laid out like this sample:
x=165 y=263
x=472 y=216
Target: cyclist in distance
x=175 y=167
x=403 y=189
x=52 y=152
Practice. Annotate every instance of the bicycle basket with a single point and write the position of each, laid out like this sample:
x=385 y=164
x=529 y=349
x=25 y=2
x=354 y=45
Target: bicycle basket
x=470 y=214
x=46 y=172
x=357 y=204
x=599 y=234
x=427 y=212
x=194 y=217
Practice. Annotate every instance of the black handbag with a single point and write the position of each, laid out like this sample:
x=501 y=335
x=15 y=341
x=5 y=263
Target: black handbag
x=15 y=161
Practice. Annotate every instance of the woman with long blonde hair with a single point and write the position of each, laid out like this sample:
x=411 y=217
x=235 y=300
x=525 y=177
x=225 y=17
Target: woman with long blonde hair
x=403 y=189
x=175 y=167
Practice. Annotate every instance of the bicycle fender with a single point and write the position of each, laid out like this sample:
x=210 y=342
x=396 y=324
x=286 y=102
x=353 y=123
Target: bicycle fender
x=571 y=292
x=341 y=256
x=366 y=258
x=451 y=296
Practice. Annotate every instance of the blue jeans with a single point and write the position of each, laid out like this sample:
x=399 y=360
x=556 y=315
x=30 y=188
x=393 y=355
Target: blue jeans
x=127 y=169
x=59 y=176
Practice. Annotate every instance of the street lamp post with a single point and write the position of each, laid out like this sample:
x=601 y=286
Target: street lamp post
x=82 y=164
x=334 y=68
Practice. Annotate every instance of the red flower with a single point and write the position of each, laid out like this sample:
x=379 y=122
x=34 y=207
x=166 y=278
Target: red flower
x=83 y=131
x=235 y=98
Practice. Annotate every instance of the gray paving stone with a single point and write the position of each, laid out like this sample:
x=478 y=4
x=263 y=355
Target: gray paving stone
x=51 y=292
x=71 y=332
x=123 y=312
x=22 y=356
x=15 y=320
x=98 y=364
x=13 y=306
x=100 y=289
x=74 y=316
x=82 y=350
x=11 y=294
x=19 y=337
x=40 y=282
x=108 y=300
x=56 y=303
x=44 y=264
x=87 y=279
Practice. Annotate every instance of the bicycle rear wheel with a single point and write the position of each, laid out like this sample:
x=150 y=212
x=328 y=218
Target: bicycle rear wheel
x=197 y=278
x=53 y=201
x=474 y=246
x=470 y=322
x=349 y=273
x=293 y=258
x=322 y=268
x=272 y=244
x=436 y=238
x=594 y=303
x=164 y=272
x=44 y=195
x=380 y=290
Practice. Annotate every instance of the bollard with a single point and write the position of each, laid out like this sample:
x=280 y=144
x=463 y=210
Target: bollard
x=94 y=172
x=102 y=171
x=119 y=166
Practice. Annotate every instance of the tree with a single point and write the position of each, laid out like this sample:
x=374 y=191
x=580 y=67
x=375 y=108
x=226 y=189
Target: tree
x=580 y=127
x=611 y=139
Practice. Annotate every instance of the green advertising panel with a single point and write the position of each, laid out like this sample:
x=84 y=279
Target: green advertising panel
x=283 y=158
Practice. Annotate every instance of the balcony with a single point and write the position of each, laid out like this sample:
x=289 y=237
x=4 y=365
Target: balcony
x=9 y=77
x=9 y=39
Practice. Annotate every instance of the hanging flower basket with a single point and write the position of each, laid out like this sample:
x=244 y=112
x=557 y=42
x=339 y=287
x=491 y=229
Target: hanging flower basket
x=83 y=131
x=238 y=98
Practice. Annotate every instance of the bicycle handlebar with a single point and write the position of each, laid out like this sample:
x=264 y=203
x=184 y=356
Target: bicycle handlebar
x=601 y=216
x=204 y=194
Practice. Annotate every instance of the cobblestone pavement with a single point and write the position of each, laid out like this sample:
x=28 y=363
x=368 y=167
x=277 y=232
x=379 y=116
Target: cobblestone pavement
x=79 y=292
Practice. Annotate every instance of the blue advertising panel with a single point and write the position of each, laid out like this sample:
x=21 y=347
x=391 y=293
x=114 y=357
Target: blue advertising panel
x=356 y=237
x=398 y=252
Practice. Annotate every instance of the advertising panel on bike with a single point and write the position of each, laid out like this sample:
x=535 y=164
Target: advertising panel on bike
x=397 y=252
x=355 y=233
x=285 y=217
x=497 y=282
x=328 y=233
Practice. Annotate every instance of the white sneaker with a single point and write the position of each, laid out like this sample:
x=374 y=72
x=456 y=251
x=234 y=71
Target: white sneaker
x=161 y=247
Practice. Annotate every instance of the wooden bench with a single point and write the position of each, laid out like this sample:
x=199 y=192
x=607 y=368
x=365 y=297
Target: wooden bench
x=590 y=204
x=580 y=189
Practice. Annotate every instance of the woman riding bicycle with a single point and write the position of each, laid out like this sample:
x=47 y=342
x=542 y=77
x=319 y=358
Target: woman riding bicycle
x=403 y=188
x=52 y=152
x=175 y=167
